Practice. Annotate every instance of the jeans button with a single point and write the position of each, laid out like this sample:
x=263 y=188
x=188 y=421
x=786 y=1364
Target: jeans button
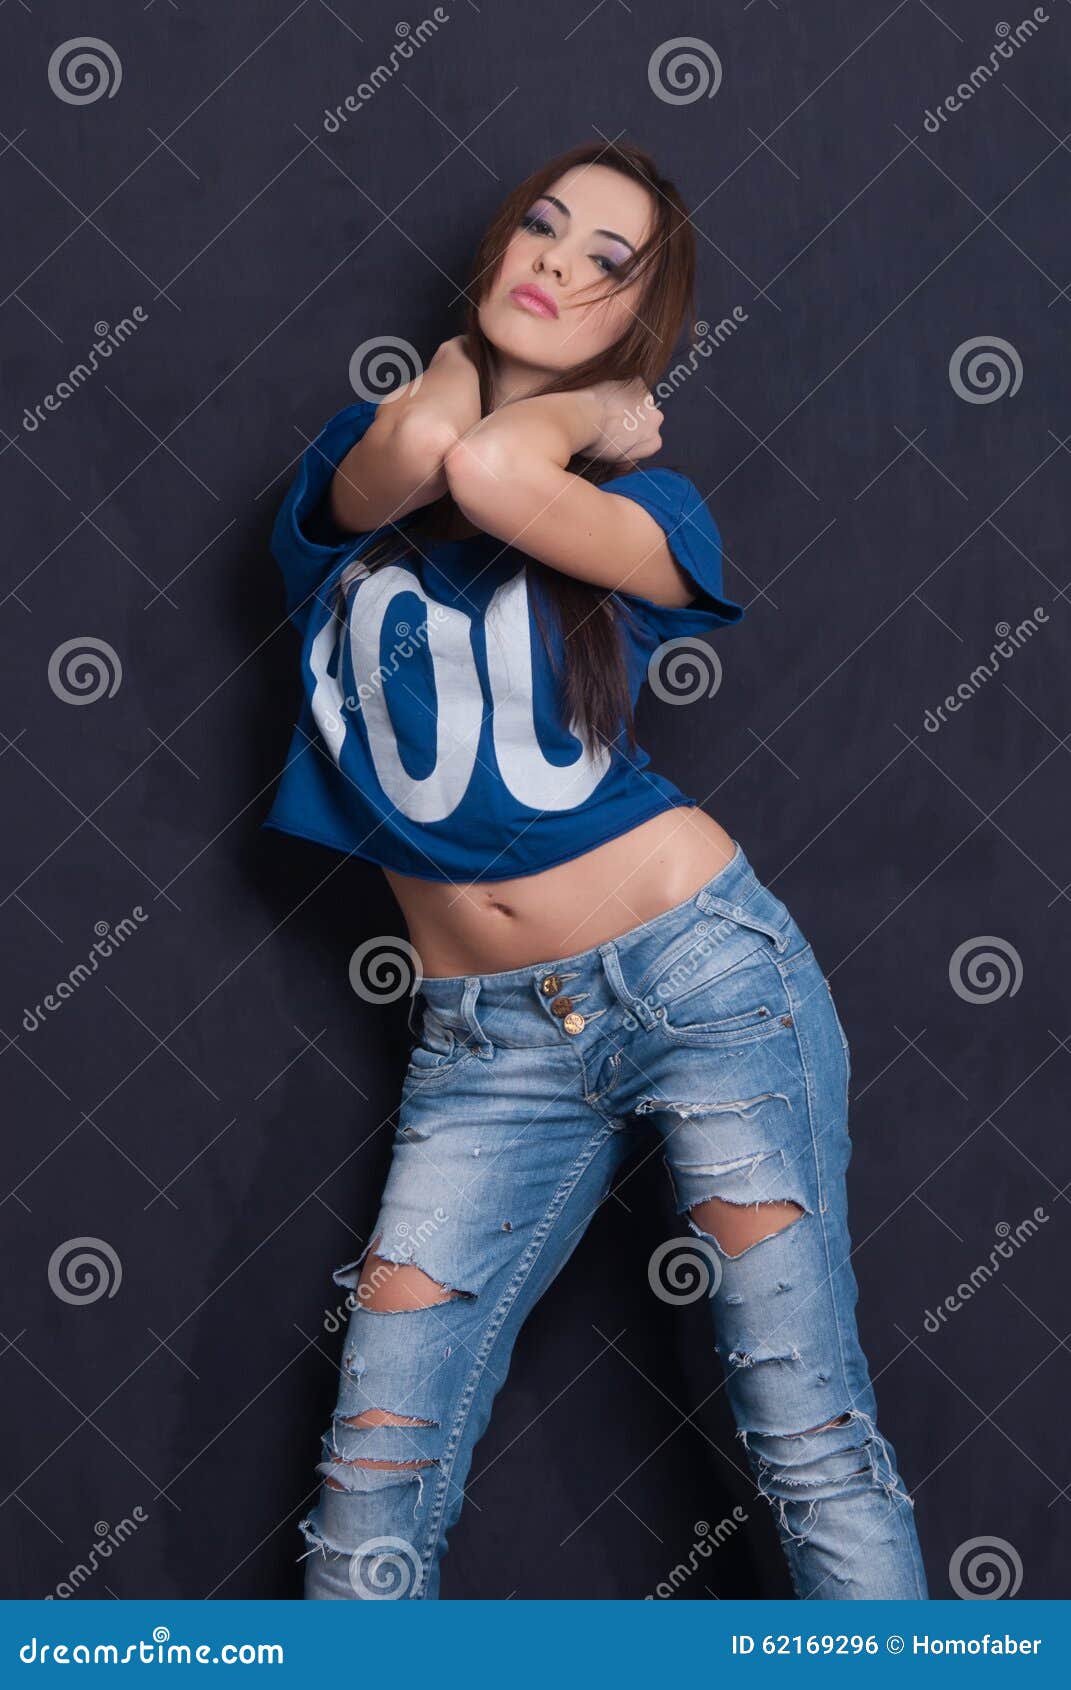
x=561 y=1006
x=573 y=1022
x=550 y=983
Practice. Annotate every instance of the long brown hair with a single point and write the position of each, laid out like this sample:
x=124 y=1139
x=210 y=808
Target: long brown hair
x=595 y=693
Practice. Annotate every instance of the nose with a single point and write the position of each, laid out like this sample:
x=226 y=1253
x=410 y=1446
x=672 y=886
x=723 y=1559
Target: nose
x=553 y=262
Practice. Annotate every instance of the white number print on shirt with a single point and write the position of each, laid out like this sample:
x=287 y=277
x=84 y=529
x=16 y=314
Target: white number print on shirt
x=533 y=781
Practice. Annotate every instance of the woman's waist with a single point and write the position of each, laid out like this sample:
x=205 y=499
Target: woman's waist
x=489 y=927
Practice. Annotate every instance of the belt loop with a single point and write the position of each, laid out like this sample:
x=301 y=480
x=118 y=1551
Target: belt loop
x=468 y=1012
x=612 y=969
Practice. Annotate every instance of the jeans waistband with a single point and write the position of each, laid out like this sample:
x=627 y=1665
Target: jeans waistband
x=520 y=1006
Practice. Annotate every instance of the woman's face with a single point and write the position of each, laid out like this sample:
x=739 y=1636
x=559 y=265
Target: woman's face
x=568 y=247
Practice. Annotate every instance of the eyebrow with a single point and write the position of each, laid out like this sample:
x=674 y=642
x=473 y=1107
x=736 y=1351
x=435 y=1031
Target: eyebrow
x=609 y=233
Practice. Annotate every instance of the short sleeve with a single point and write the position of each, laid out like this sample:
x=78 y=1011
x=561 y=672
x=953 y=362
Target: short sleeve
x=692 y=535
x=306 y=542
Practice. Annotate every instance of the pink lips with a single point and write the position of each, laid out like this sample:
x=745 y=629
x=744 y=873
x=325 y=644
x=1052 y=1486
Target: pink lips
x=534 y=299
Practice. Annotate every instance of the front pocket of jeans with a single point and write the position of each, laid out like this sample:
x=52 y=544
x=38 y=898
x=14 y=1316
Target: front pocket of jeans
x=744 y=1028
x=429 y=1068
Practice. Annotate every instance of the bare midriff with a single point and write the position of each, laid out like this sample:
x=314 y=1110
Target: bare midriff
x=487 y=927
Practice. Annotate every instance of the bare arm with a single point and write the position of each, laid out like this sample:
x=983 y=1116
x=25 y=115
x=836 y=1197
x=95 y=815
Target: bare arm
x=397 y=465
x=508 y=475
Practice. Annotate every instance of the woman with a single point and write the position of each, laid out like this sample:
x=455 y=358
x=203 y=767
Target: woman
x=484 y=578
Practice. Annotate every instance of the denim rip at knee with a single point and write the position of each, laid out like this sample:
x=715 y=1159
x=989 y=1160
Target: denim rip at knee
x=490 y=1045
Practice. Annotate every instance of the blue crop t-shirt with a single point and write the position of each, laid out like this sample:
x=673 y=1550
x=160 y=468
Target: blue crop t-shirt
x=429 y=739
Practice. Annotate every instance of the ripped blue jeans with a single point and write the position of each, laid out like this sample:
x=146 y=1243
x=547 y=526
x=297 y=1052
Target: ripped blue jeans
x=712 y=1025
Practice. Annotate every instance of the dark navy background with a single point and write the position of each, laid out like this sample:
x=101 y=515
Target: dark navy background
x=213 y=1103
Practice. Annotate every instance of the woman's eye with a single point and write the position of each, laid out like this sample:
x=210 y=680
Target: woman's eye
x=611 y=267
x=538 y=224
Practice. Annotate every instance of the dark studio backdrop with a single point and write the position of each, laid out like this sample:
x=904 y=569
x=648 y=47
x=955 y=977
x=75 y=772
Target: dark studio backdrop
x=875 y=407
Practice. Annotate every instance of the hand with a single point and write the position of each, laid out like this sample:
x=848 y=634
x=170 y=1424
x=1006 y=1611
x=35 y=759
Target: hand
x=446 y=394
x=629 y=422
